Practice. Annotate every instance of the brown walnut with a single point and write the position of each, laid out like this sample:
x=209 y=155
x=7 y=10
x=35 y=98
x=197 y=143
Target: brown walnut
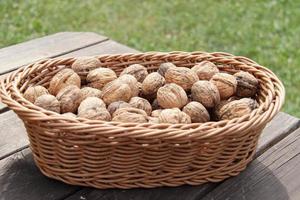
x=138 y=71
x=91 y=103
x=205 y=70
x=152 y=83
x=197 y=112
x=174 y=116
x=131 y=82
x=69 y=98
x=133 y=115
x=206 y=93
x=225 y=83
x=164 y=67
x=156 y=113
x=153 y=120
x=171 y=96
x=140 y=103
x=116 y=105
x=63 y=79
x=182 y=76
x=69 y=115
x=85 y=64
x=247 y=84
x=33 y=92
x=90 y=92
x=48 y=102
x=99 y=77
x=116 y=91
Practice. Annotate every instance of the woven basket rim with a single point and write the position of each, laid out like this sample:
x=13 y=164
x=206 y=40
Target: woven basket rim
x=11 y=95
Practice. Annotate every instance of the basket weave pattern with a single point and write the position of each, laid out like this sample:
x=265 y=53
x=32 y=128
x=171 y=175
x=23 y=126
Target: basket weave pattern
x=128 y=155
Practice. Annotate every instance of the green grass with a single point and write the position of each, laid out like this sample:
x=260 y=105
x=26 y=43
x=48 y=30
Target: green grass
x=266 y=31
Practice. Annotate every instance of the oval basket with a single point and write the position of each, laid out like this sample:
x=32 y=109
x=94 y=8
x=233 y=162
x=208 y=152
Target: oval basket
x=127 y=155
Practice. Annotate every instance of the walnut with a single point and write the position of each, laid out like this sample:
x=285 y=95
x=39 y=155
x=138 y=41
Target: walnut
x=85 y=64
x=63 y=79
x=236 y=108
x=247 y=84
x=48 y=102
x=93 y=108
x=182 y=76
x=174 y=116
x=90 y=92
x=140 y=103
x=171 y=96
x=206 y=93
x=138 y=71
x=33 y=92
x=156 y=113
x=225 y=83
x=152 y=83
x=131 y=82
x=116 y=105
x=99 y=77
x=69 y=115
x=197 y=112
x=69 y=98
x=205 y=70
x=164 y=67
x=153 y=120
x=130 y=115
x=116 y=91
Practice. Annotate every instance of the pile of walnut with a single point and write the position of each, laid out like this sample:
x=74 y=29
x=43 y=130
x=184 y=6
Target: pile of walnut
x=170 y=95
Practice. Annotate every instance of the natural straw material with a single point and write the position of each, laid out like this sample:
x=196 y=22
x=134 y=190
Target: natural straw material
x=127 y=155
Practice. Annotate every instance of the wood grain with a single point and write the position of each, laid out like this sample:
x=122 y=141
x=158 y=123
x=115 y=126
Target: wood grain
x=270 y=136
x=54 y=45
x=272 y=176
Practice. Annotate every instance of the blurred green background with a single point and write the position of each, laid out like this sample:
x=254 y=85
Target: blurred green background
x=265 y=31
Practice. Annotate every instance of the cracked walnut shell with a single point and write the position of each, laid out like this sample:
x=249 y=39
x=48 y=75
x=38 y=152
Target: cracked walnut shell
x=182 y=76
x=69 y=98
x=99 y=77
x=205 y=70
x=225 y=83
x=174 y=116
x=138 y=71
x=247 y=84
x=171 y=96
x=206 y=93
x=63 y=79
x=33 y=92
x=197 y=112
x=48 y=102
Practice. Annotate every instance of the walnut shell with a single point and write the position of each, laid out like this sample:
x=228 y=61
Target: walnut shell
x=164 y=67
x=197 y=112
x=225 y=83
x=96 y=113
x=236 y=108
x=116 y=105
x=140 y=103
x=247 y=84
x=182 y=76
x=116 y=91
x=69 y=115
x=90 y=92
x=153 y=120
x=99 y=77
x=91 y=103
x=48 y=102
x=174 y=116
x=152 y=83
x=138 y=71
x=205 y=70
x=33 y=92
x=171 y=96
x=206 y=93
x=131 y=82
x=156 y=113
x=130 y=115
x=85 y=64
x=69 y=98
x=63 y=79
x=130 y=110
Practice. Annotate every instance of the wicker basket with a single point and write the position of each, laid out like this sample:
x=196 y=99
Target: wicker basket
x=128 y=155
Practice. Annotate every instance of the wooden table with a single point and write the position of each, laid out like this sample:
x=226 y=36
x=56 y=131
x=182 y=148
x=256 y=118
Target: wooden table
x=273 y=174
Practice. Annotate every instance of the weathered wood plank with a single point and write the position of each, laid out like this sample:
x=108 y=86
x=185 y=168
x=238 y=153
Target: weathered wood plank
x=49 y=46
x=270 y=136
x=273 y=175
x=21 y=179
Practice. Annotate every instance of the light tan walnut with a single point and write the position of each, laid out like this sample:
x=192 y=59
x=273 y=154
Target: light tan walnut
x=182 y=76
x=156 y=113
x=138 y=71
x=236 y=108
x=197 y=112
x=205 y=70
x=90 y=92
x=171 y=96
x=91 y=103
x=206 y=93
x=33 y=92
x=140 y=103
x=247 y=84
x=133 y=115
x=116 y=105
x=97 y=113
x=63 y=79
x=99 y=77
x=225 y=83
x=132 y=83
x=174 y=116
x=153 y=120
x=116 y=91
x=48 y=102
x=130 y=110
x=83 y=65
x=69 y=115
x=164 y=67
x=69 y=98
x=152 y=83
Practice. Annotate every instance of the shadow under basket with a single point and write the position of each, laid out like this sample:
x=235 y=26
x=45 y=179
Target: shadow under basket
x=104 y=154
